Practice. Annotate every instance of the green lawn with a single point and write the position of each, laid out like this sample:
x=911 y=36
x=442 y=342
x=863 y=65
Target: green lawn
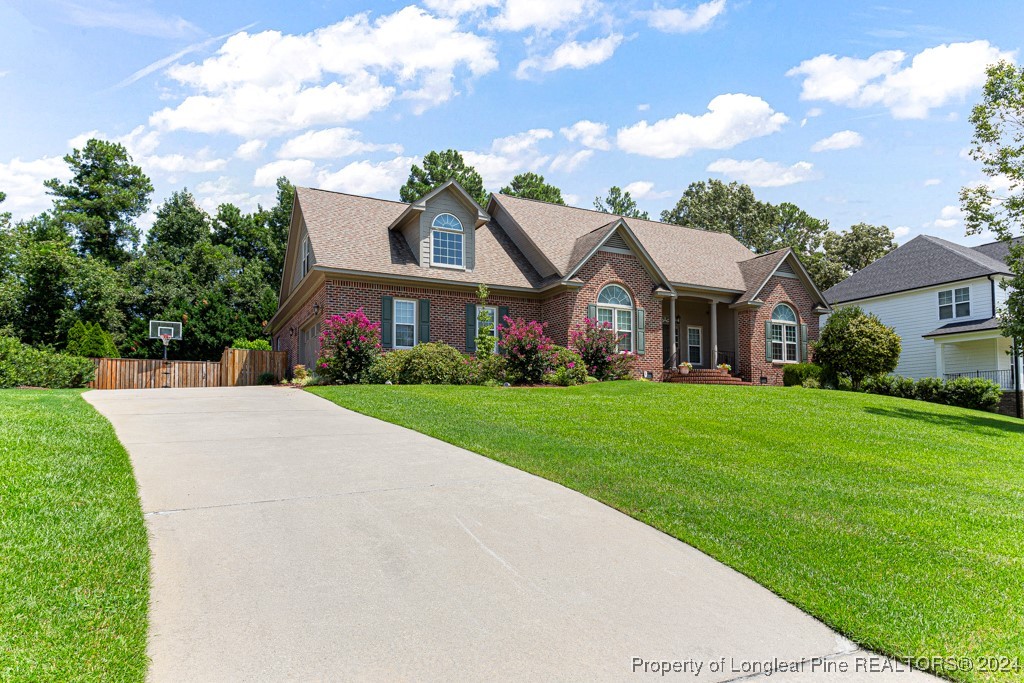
x=898 y=523
x=74 y=562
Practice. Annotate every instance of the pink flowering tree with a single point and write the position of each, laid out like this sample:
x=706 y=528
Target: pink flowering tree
x=597 y=345
x=527 y=350
x=348 y=346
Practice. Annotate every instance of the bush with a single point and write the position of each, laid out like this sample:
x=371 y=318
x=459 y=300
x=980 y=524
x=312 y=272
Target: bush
x=624 y=365
x=266 y=378
x=811 y=383
x=433 y=363
x=883 y=385
x=856 y=345
x=905 y=387
x=596 y=344
x=252 y=345
x=931 y=389
x=796 y=374
x=22 y=365
x=973 y=392
x=526 y=350
x=567 y=368
x=89 y=340
x=490 y=369
x=348 y=346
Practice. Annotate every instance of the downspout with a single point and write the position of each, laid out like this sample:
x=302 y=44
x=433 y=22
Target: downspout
x=993 y=283
x=1016 y=379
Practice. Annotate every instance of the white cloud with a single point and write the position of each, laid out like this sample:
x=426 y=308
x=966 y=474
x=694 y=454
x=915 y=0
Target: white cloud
x=568 y=162
x=454 y=8
x=677 y=20
x=643 y=189
x=930 y=182
x=139 y=142
x=643 y=107
x=761 y=173
x=949 y=217
x=509 y=155
x=813 y=112
x=572 y=55
x=297 y=171
x=132 y=18
x=250 y=149
x=212 y=193
x=588 y=133
x=330 y=143
x=844 y=139
x=270 y=83
x=368 y=178
x=900 y=232
x=174 y=164
x=935 y=77
x=730 y=120
x=542 y=15
x=22 y=181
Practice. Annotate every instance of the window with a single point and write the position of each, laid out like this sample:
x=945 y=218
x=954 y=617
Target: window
x=784 y=334
x=694 y=345
x=615 y=309
x=307 y=255
x=955 y=303
x=405 y=324
x=446 y=241
x=492 y=319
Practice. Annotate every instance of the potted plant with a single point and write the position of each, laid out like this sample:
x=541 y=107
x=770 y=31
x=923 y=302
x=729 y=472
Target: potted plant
x=725 y=367
x=685 y=367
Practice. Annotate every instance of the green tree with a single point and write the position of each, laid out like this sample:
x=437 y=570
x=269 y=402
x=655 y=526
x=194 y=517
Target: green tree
x=438 y=168
x=859 y=247
x=619 y=203
x=180 y=224
x=998 y=143
x=532 y=186
x=856 y=345
x=795 y=228
x=91 y=341
x=824 y=271
x=100 y=203
x=732 y=208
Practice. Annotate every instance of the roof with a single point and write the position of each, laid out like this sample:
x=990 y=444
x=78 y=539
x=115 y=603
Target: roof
x=686 y=255
x=997 y=250
x=757 y=270
x=350 y=232
x=963 y=327
x=924 y=261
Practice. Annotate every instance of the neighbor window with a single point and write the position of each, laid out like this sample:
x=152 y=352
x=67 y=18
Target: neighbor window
x=491 y=313
x=784 y=335
x=307 y=256
x=446 y=241
x=955 y=303
x=694 y=345
x=615 y=308
x=405 y=324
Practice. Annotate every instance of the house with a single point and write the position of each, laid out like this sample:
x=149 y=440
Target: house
x=669 y=292
x=943 y=300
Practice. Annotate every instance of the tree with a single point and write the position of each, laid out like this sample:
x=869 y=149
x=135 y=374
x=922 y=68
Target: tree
x=732 y=208
x=438 y=168
x=859 y=247
x=106 y=193
x=619 y=203
x=532 y=186
x=796 y=229
x=180 y=224
x=998 y=143
x=856 y=345
x=824 y=271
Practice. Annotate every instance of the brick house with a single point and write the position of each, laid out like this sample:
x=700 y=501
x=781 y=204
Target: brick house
x=672 y=294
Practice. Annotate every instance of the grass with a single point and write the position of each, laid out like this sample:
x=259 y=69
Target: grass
x=898 y=523
x=74 y=560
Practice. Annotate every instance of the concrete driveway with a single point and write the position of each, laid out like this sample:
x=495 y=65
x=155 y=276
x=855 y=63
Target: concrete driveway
x=295 y=540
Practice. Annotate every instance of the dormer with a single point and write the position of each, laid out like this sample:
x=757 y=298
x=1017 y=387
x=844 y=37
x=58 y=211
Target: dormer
x=440 y=228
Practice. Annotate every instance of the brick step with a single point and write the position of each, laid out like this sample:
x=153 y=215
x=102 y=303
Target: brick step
x=731 y=381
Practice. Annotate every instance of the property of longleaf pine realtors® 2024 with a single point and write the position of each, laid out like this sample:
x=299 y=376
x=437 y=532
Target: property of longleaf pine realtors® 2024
x=817 y=665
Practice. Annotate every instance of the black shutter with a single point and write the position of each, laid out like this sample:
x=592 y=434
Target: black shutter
x=424 y=331
x=502 y=314
x=387 y=318
x=470 y=328
x=802 y=348
x=641 y=341
x=768 y=340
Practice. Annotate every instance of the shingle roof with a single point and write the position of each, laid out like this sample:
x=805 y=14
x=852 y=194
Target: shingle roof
x=757 y=270
x=351 y=232
x=922 y=262
x=969 y=326
x=997 y=250
x=685 y=255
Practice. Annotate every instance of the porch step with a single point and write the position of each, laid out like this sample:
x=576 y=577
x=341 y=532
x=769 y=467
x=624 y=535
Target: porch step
x=705 y=376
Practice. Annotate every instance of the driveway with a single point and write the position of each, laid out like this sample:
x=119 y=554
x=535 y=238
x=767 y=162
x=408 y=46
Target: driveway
x=296 y=540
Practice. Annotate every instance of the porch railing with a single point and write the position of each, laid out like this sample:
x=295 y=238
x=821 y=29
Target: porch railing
x=672 y=360
x=1004 y=378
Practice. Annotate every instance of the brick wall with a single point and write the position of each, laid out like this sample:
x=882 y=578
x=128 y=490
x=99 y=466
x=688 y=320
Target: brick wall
x=753 y=364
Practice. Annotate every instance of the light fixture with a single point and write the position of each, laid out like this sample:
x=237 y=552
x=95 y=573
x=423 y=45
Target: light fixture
x=291 y=331
x=316 y=309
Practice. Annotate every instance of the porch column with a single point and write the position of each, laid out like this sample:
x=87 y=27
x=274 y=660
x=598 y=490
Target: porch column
x=940 y=366
x=713 y=322
x=673 y=350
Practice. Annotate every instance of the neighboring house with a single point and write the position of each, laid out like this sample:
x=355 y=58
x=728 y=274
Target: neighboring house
x=669 y=292
x=943 y=300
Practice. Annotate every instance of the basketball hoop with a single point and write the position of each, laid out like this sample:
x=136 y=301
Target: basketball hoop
x=165 y=331
x=166 y=338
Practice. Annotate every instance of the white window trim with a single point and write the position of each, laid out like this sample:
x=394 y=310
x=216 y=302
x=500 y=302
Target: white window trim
x=796 y=345
x=494 y=329
x=451 y=231
x=615 y=318
x=700 y=331
x=953 y=303
x=307 y=253
x=394 y=322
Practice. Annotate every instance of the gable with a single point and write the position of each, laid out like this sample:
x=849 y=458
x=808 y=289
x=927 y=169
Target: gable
x=614 y=238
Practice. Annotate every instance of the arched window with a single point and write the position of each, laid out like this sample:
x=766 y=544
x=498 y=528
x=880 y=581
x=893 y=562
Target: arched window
x=446 y=241
x=784 y=334
x=615 y=309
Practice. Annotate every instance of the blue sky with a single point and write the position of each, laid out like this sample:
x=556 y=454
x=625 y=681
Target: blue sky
x=853 y=111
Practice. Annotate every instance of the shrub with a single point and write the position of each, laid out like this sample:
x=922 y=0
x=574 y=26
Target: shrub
x=931 y=389
x=490 y=369
x=300 y=373
x=904 y=387
x=883 y=385
x=385 y=367
x=856 y=345
x=266 y=378
x=973 y=392
x=252 y=345
x=433 y=363
x=526 y=350
x=90 y=341
x=811 y=383
x=567 y=368
x=348 y=346
x=796 y=374
x=623 y=365
x=596 y=344
x=22 y=365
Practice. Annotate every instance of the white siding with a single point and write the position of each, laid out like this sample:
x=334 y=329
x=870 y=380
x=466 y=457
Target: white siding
x=916 y=313
x=447 y=202
x=968 y=356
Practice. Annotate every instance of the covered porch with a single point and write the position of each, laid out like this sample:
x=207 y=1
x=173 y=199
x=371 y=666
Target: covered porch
x=701 y=330
x=987 y=355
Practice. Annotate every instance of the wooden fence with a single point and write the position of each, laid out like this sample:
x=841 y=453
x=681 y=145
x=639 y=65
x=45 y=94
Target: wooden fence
x=236 y=368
